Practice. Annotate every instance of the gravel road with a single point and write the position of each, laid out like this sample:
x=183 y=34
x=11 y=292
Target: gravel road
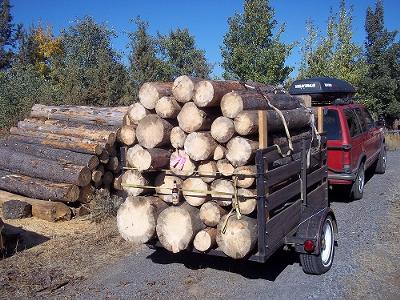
x=366 y=264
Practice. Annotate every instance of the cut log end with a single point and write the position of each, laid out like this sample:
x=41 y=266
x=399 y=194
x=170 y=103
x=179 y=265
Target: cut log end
x=178 y=137
x=205 y=239
x=167 y=107
x=231 y=105
x=137 y=112
x=127 y=135
x=222 y=129
x=183 y=88
x=153 y=131
x=241 y=151
x=211 y=213
x=150 y=92
x=200 y=146
x=195 y=191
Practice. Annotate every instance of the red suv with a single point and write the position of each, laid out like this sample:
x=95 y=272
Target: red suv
x=355 y=141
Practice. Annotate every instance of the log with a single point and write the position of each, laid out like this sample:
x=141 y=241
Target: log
x=130 y=154
x=247 y=201
x=150 y=159
x=133 y=177
x=32 y=166
x=222 y=191
x=205 y=239
x=246 y=122
x=137 y=112
x=104 y=156
x=208 y=171
x=211 y=213
x=191 y=118
x=111 y=116
x=63 y=156
x=183 y=88
x=126 y=121
x=97 y=175
x=219 y=152
x=181 y=164
x=225 y=167
x=79 y=132
x=195 y=191
x=242 y=181
x=177 y=137
x=164 y=184
x=167 y=107
x=113 y=164
x=38 y=188
x=58 y=142
x=177 y=226
x=241 y=151
x=108 y=179
x=45 y=210
x=235 y=102
x=117 y=183
x=200 y=146
x=150 y=92
x=153 y=131
x=127 y=135
x=137 y=218
x=86 y=193
x=222 y=129
x=209 y=93
x=16 y=209
x=74 y=124
x=240 y=237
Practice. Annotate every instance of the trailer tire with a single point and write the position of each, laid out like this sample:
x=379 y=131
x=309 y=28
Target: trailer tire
x=380 y=167
x=359 y=183
x=321 y=263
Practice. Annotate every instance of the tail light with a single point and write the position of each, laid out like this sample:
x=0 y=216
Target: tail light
x=346 y=158
x=309 y=246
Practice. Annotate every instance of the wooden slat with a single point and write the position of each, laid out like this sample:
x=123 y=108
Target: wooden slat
x=282 y=173
x=262 y=129
x=281 y=196
x=280 y=225
x=320 y=113
x=316 y=176
x=317 y=198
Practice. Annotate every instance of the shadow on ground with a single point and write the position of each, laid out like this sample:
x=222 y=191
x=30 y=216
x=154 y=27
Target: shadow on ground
x=248 y=269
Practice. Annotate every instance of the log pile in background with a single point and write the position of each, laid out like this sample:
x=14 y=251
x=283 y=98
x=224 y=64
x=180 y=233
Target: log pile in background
x=194 y=140
x=62 y=154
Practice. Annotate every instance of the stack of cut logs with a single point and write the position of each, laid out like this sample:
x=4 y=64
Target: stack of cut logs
x=196 y=142
x=60 y=153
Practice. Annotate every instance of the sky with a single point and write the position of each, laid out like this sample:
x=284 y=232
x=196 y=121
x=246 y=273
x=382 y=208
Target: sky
x=205 y=19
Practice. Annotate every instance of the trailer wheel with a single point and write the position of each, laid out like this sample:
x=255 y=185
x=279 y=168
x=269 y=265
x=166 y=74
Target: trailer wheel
x=321 y=263
x=358 y=185
x=380 y=167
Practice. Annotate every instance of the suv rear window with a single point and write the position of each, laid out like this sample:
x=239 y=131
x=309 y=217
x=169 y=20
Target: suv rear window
x=352 y=122
x=332 y=125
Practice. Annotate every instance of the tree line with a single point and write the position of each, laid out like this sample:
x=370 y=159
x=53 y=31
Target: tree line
x=80 y=66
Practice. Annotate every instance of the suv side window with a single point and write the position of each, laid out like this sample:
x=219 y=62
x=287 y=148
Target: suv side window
x=332 y=125
x=352 y=122
x=368 y=118
x=361 y=118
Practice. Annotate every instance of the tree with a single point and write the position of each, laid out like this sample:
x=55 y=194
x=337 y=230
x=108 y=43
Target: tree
x=381 y=86
x=252 y=49
x=178 y=50
x=335 y=54
x=7 y=34
x=88 y=71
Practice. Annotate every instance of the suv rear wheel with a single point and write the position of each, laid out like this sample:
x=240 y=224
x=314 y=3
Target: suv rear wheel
x=380 y=167
x=358 y=185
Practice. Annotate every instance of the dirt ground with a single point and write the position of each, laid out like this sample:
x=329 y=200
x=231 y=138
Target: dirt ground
x=57 y=255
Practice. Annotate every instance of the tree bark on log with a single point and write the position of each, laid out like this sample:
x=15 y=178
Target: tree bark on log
x=78 y=132
x=194 y=191
x=137 y=112
x=167 y=107
x=137 y=218
x=153 y=131
x=133 y=177
x=108 y=179
x=205 y=239
x=164 y=184
x=241 y=151
x=211 y=213
x=63 y=156
x=150 y=92
x=56 y=141
x=208 y=171
x=243 y=181
x=113 y=164
x=183 y=88
x=219 y=152
x=127 y=135
x=177 y=137
x=177 y=226
x=222 y=129
x=181 y=164
x=29 y=165
x=200 y=146
x=104 y=156
x=247 y=200
x=38 y=188
x=208 y=93
x=117 y=183
x=45 y=210
x=240 y=237
x=146 y=159
x=235 y=102
x=97 y=175
x=222 y=191
x=246 y=122
x=191 y=118
x=111 y=116
x=86 y=193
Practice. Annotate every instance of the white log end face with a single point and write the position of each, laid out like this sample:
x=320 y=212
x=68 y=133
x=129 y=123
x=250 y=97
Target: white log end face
x=183 y=89
x=137 y=112
x=148 y=95
x=231 y=105
x=222 y=191
x=222 y=129
x=204 y=93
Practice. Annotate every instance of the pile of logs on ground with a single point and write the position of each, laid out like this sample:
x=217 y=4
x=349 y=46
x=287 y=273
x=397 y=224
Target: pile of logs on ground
x=61 y=154
x=192 y=144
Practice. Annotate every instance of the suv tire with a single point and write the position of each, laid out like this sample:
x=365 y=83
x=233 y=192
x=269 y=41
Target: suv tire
x=380 y=167
x=359 y=183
